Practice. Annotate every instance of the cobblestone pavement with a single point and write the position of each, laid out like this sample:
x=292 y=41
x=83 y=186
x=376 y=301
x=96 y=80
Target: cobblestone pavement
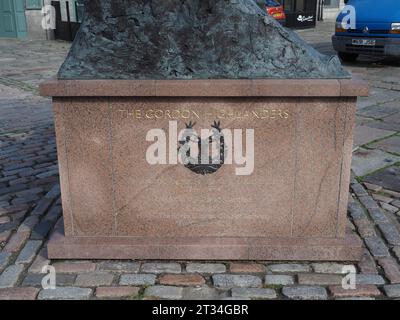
x=30 y=204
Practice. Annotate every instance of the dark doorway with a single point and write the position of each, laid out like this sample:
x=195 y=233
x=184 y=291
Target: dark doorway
x=65 y=30
x=300 y=13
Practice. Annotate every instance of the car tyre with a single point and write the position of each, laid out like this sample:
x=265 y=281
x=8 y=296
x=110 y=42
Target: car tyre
x=348 y=57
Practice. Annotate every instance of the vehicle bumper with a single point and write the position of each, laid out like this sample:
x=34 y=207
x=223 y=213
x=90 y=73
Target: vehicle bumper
x=383 y=47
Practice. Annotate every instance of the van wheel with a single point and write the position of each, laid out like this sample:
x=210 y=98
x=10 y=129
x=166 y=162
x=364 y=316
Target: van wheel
x=350 y=57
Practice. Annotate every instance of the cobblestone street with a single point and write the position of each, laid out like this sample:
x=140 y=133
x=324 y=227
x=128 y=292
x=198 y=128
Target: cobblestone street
x=30 y=204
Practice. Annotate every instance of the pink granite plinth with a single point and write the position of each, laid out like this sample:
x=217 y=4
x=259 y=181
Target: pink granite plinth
x=292 y=206
x=205 y=248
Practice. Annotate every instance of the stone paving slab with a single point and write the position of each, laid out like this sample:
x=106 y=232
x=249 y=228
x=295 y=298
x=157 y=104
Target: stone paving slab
x=378 y=111
x=387 y=178
x=391 y=145
x=367 y=161
x=305 y=293
x=164 y=292
x=254 y=293
x=365 y=134
x=137 y=279
x=65 y=293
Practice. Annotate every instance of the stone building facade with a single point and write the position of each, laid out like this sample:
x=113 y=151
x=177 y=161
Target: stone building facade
x=23 y=18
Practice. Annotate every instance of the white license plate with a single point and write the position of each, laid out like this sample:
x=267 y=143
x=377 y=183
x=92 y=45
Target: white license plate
x=363 y=42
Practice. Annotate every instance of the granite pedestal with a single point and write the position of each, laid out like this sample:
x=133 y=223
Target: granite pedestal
x=292 y=206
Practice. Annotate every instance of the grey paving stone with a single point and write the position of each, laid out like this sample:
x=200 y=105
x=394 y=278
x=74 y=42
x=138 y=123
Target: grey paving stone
x=278 y=279
x=164 y=292
x=254 y=293
x=391 y=269
x=18 y=165
x=26 y=172
x=211 y=268
x=369 y=279
x=10 y=276
x=5 y=219
x=396 y=251
x=235 y=298
x=113 y=266
x=365 y=228
x=4 y=260
x=366 y=161
x=29 y=251
x=387 y=178
x=356 y=211
x=47 y=174
x=35 y=280
x=377 y=247
x=396 y=203
x=65 y=293
x=369 y=203
x=329 y=267
x=40 y=261
x=392 y=193
x=53 y=214
x=94 y=279
x=366 y=134
x=372 y=187
x=28 y=224
x=200 y=293
x=305 y=293
x=41 y=230
x=392 y=290
x=161 y=268
x=289 y=268
x=391 y=144
x=13 y=189
x=54 y=192
x=42 y=206
x=137 y=279
x=35 y=191
x=391 y=126
x=321 y=279
x=390 y=232
x=9 y=226
x=378 y=111
x=233 y=280
x=388 y=207
x=381 y=198
x=378 y=215
x=358 y=189
x=395 y=118
x=14 y=208
x=356 y=298
x=65 y=279
x=25 y=199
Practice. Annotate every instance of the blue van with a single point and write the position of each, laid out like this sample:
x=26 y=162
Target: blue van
x=375 y=31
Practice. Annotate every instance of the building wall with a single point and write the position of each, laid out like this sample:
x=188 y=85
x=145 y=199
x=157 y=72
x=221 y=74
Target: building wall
x=35 y=16
x=331 y=13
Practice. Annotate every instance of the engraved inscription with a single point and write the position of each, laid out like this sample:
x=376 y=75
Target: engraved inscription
x=220 y=114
